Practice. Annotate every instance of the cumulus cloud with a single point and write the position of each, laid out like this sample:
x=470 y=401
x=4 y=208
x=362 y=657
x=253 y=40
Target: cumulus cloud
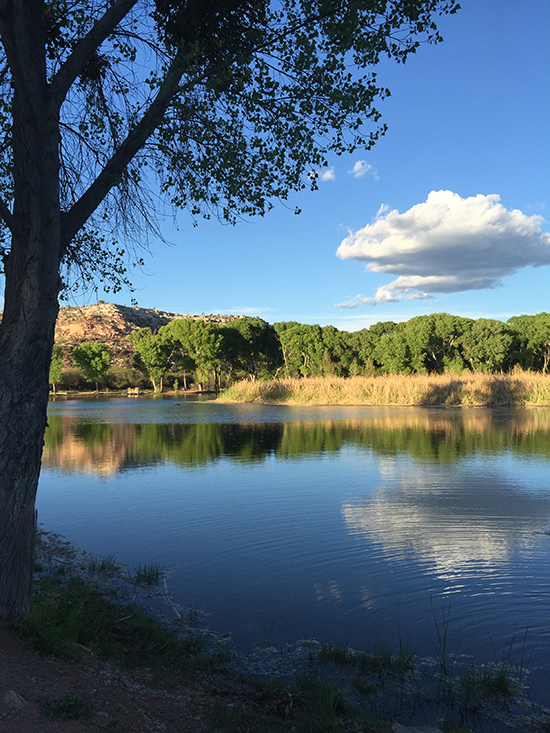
x=446 y=245
x=323 y=174
x=361 y=168
x=327 y=175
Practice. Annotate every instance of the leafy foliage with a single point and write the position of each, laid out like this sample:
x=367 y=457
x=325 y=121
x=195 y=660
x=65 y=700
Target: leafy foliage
x=152 y=355
x=94 y=359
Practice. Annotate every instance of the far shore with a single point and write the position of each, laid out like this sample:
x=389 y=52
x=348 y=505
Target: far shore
x=127 y=393
x=468 y=389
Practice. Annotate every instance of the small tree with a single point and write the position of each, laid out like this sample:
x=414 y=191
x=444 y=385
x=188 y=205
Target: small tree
x=152 y=355
x=199 y=343
x=93 y=360
x=55 y=367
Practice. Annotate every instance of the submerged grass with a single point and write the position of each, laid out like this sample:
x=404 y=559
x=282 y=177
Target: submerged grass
x=105 y=564
x=144 y=574
x=519 y=388
x=380 y=661
x=484 y=683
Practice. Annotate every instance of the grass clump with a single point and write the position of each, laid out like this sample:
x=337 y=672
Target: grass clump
x=309 y=705
x=65 y=614
x=105 y=564
x=323 y=704
x=145 y=574
x=486 y=683
x=70 y=707
x=339 y=654
x=379 y=661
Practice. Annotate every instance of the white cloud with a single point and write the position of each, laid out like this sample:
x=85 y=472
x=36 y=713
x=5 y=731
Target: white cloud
x=327 y=175
x=361 y=168
x=446 y=245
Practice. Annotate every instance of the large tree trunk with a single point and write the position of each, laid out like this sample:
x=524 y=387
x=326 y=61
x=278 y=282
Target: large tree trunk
x=25 y=350
x=32 y=285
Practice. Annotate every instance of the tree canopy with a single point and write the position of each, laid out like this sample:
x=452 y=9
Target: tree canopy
x=152 y=355
x=94 y=360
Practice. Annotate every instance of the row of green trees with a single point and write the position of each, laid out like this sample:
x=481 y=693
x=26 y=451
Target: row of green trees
x=215 y=355
x=434 y=343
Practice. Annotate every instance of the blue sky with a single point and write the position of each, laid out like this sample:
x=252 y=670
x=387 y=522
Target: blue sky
x=471 y=117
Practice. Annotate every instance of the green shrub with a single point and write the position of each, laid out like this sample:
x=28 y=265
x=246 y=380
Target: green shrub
x=119 y=378
x=72 y=380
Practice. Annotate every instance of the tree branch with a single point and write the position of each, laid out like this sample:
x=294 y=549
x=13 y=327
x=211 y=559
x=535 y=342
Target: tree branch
x=82 y=209
x=69 y=71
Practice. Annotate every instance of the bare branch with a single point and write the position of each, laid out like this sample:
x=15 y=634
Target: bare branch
x=69 y=71
x=74 y=219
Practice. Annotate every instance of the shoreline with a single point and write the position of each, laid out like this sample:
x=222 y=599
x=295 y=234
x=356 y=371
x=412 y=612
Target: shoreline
x=430 y=691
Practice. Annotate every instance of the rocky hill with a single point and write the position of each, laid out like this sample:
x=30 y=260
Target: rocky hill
x=110 y=324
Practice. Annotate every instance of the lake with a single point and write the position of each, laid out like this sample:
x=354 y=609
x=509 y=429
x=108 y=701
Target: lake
x=350 y=524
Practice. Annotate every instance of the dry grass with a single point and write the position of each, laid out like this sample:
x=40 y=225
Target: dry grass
x=519 y=388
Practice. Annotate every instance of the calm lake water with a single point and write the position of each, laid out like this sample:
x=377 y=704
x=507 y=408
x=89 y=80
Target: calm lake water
x=339 y=523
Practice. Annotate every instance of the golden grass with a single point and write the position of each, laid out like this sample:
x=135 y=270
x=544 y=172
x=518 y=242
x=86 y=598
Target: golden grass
x=519 y=388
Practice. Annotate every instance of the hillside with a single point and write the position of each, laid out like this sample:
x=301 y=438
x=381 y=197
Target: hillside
x=110 y=324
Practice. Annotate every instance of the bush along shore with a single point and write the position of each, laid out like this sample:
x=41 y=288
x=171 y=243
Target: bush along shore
x=99 y=612
x=519 y=388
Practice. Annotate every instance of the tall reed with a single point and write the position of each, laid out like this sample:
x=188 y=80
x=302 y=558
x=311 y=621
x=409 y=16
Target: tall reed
x=519 y=388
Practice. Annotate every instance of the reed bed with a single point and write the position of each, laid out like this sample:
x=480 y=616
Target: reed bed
x=518 y=388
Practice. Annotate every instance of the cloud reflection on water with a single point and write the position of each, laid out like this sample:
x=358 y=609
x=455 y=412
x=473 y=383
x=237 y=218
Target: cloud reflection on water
x=460 y=525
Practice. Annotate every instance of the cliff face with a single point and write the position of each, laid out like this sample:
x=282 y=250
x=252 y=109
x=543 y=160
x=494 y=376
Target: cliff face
x=110 y=324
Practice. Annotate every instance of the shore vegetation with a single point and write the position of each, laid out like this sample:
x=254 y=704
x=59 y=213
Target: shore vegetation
x=519 y=388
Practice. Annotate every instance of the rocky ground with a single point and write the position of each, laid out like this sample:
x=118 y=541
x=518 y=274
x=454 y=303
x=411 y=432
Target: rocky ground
x=119 y=698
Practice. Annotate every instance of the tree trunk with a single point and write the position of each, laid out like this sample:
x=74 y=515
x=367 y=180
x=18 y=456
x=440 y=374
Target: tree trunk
x=32 y=285
x=23 y=405
x=26 y=341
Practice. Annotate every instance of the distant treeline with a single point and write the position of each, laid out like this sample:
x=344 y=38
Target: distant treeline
x=216 y=355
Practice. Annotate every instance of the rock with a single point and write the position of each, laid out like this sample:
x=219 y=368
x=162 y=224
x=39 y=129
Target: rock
x=14 y=700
